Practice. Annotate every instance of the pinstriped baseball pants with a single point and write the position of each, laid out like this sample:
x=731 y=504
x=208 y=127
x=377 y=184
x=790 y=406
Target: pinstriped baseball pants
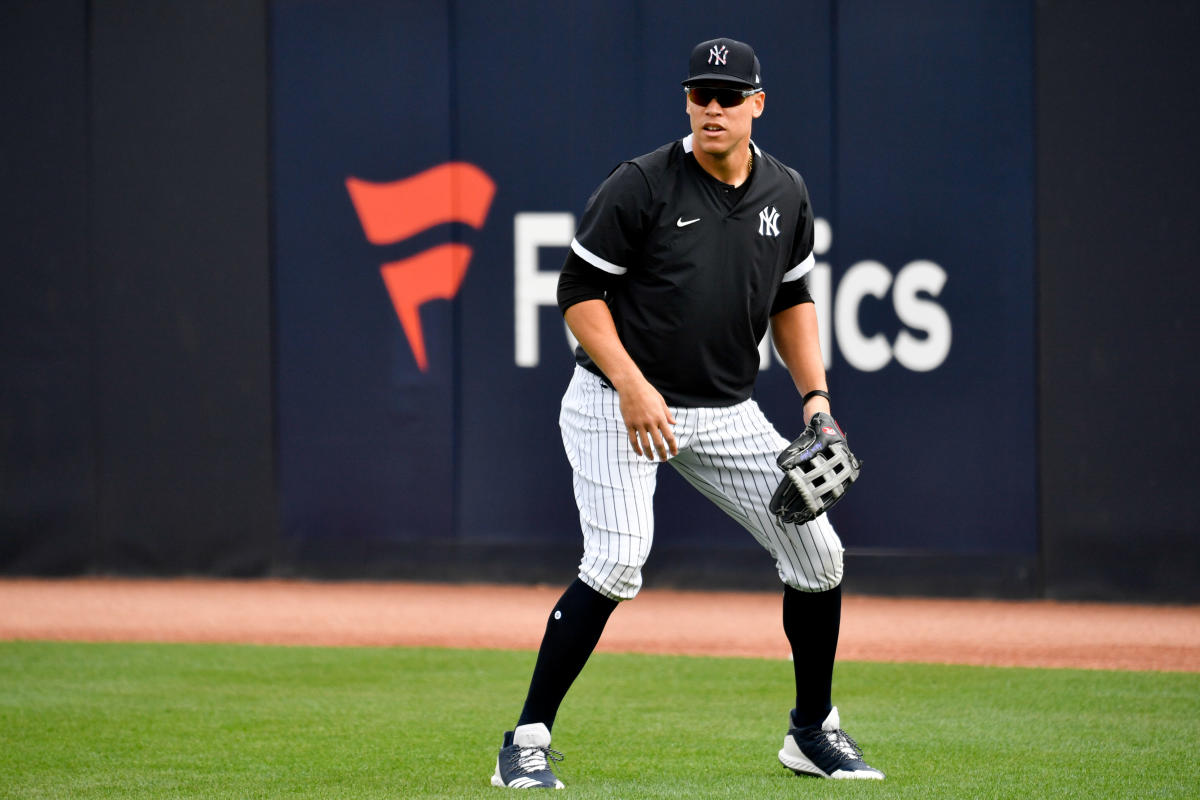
x=728 y=454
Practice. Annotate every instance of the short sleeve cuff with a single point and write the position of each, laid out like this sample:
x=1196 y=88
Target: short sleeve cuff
x=599 y=263
x=800 y=270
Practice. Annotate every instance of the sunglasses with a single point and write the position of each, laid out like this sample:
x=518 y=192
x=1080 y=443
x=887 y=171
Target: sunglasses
x=726 y=98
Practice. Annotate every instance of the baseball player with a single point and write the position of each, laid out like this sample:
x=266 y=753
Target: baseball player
x=681 y=259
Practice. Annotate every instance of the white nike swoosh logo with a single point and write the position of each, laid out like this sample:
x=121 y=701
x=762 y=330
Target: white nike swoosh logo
x=684 y=223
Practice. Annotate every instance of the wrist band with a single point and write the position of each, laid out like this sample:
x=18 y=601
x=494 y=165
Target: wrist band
x=817 y=393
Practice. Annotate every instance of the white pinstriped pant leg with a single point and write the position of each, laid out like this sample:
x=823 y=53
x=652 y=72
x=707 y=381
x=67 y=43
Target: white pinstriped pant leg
x=731 y=460
x=728 y=454
x=614 y=488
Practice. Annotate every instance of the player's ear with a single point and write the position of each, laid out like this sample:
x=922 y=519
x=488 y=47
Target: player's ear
x=759 y=100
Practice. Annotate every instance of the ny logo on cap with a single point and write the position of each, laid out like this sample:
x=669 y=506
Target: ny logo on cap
x=718 y=54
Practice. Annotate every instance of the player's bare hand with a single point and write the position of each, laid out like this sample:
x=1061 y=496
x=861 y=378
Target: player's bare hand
x=648 y=421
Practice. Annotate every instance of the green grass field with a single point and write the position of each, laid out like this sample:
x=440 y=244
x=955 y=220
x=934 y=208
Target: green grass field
x=204 y=721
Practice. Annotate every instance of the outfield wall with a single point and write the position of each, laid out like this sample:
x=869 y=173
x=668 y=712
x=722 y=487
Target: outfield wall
x=282 y=285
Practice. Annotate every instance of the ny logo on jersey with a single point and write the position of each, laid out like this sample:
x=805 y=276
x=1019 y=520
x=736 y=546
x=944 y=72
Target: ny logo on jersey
x=718 y=54
x=768 y=222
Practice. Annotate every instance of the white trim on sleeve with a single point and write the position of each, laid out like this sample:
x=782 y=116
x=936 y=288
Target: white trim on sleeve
x=597 y=261
x=800 y=270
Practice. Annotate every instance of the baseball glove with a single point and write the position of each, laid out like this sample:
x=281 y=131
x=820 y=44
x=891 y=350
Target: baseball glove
x=818 y=469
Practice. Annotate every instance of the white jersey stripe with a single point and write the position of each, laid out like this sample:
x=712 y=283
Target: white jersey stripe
x=800 y=270
x=595 y=260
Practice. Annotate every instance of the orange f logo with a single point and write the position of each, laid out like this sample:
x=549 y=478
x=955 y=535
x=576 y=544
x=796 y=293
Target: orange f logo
x=391 y=212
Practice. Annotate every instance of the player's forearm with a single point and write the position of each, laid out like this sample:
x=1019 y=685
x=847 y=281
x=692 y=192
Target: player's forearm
x=592 y=323
x=797 y=339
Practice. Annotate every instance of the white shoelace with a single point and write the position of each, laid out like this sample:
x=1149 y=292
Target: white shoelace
x=534 y=759
x=840 y=740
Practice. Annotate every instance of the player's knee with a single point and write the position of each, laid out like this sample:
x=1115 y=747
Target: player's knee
x=619 y=589
x=614 y=580
x=819 y=577
x=615 y=568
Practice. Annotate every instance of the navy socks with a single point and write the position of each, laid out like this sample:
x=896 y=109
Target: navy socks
x=571 y=635
x=812 y=621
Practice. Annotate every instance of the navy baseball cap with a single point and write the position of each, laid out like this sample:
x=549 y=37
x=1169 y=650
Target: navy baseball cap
x=724 y=60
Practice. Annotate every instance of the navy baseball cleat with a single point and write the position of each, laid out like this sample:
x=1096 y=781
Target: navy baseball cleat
x=524 y=760
x=824 y=750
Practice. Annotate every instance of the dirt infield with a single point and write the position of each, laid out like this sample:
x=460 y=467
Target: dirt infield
x=1043 y=634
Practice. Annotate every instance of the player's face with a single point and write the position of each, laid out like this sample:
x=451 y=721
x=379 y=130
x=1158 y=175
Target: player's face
x=720 y=130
